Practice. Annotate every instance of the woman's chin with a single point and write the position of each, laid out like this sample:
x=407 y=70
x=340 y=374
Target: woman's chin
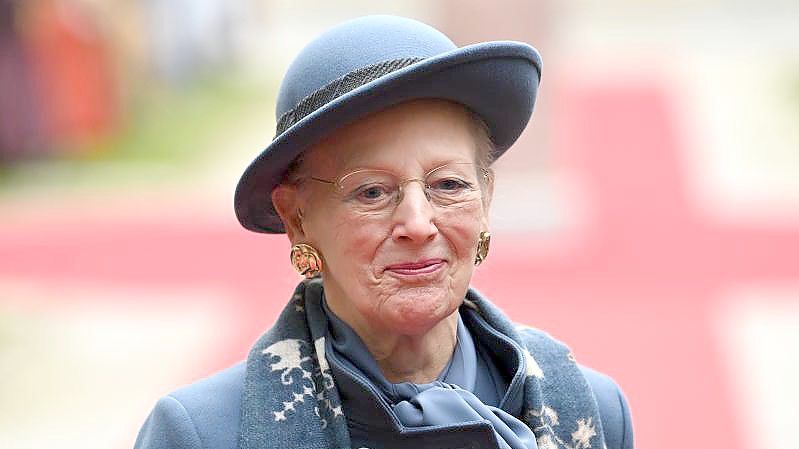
x=417 y=315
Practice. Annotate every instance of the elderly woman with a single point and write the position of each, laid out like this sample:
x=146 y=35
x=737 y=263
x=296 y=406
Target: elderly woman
x=380 y=176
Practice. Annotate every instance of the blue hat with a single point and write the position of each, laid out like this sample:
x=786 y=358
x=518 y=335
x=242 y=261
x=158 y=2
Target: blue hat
x=367 y=64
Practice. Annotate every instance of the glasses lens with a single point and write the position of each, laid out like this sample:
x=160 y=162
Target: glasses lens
x=452 y=184
x=368 y=190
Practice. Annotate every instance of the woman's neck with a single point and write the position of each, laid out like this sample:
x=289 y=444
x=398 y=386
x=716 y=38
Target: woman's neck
x=417 y=358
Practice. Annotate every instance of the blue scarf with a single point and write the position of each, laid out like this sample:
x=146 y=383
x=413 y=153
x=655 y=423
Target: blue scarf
x=290 y=398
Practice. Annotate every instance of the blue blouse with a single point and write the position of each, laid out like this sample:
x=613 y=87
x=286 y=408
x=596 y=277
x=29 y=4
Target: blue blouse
x=471 y=388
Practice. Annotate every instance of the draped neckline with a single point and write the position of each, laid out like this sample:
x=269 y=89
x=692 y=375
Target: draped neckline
x=468 y=388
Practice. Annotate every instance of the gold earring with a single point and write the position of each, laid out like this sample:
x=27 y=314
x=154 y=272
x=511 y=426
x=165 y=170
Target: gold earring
x=482 y=247
x=306 y=260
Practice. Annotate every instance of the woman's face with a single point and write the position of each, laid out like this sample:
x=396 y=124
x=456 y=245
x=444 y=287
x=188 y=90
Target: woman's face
x=404 y=269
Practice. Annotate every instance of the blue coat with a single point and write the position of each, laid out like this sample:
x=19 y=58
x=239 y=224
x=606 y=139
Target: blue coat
x=205 y=414
x=245 y=406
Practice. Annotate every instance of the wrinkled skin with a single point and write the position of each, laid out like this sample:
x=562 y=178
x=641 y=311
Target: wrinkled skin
x=407 y=321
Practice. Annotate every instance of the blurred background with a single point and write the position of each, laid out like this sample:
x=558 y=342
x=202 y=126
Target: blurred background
x=649 y=216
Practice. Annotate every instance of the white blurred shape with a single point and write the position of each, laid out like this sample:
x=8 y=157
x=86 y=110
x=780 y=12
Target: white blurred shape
x=758 y=328
x=84 y=371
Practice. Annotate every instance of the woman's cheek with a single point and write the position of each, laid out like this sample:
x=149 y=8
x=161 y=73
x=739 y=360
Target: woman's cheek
x=462 y=229
x=357 y=241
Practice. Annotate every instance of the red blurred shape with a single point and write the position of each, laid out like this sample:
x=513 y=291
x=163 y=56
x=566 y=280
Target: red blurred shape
x=635 y=288
x=71 y=63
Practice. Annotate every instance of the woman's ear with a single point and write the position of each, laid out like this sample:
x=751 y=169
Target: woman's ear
x=285 y=198
x=488 y=194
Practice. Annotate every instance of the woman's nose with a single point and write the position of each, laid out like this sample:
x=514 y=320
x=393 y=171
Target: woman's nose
x=413 y=216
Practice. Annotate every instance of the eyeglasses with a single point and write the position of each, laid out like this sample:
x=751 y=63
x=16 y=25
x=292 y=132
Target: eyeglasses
x=378 y=191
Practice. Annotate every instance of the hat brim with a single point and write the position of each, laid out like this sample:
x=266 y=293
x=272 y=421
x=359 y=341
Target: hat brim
x=497 y=80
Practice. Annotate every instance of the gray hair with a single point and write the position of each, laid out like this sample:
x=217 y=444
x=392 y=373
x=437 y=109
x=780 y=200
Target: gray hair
x=485 y=151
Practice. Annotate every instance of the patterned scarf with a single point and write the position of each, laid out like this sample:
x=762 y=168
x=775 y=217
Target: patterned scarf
x=290 y=398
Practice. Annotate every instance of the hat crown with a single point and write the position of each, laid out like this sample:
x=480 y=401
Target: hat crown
x=353 y=45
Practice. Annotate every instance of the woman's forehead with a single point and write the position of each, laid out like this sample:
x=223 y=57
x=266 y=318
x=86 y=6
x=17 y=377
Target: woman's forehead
x=420 y=133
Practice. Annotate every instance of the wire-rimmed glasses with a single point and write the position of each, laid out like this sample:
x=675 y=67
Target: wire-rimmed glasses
x=379 y=191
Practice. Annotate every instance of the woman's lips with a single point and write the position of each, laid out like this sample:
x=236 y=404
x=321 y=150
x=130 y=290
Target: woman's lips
x=416 y=268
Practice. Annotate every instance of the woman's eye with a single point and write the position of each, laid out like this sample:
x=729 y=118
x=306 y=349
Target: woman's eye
x=371 y=193
x=450 y=185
